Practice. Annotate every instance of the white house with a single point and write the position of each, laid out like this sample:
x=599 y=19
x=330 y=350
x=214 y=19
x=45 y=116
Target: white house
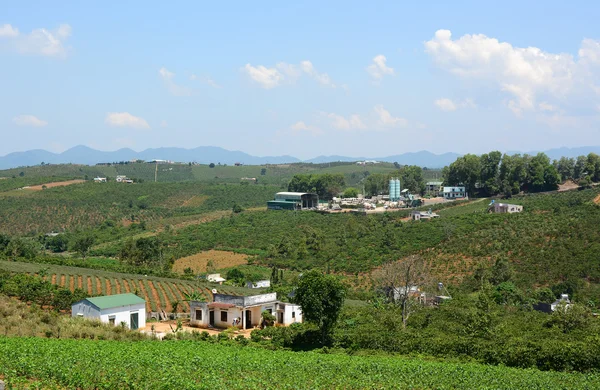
x=99 y=180
x=564 y=298
x=454 y=192
x=244 y=312
x=423 y=215
x=113 y=309
x=504 y=208
x=215 y=278
x=259 y=284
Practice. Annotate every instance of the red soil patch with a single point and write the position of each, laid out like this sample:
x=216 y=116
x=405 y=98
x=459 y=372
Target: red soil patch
x=127 y=288
x=568 y=185
x=90 y=291
x=54 y=184
x=79 y=282
x=108 y=287
x=53 y=281
x=71 y=282
x=163 y=290
x=142 y=291
x=154 y=294
x=597 y=200
x=118 y=286
x=63 y=282
x=98 y=285
x=177 y=291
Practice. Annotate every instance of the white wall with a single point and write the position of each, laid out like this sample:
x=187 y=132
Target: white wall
x=287 y=314
x=122 y=314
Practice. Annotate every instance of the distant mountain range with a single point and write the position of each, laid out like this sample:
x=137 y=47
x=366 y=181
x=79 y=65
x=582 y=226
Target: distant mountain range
x=212 y=154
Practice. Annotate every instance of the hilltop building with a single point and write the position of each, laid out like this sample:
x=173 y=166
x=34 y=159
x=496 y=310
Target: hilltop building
x=293 y=201
x=113 y=309
x=504 y=208
x=433 y=188
x=245 y=312
x=454 y=192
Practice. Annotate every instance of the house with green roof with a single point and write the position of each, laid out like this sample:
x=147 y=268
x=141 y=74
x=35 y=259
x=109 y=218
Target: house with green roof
x=113 y=309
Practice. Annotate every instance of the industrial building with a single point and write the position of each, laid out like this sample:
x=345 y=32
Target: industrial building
x=454 y=192
x=293 y=201
x=394 y=189
x=433 y=188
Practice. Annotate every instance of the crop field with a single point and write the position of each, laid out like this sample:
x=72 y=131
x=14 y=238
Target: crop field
x=199 y=262
x=89 y=204
x=158 y=292
x=91 y=364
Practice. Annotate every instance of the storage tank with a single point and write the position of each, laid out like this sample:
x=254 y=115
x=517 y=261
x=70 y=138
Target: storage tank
x=394 y=189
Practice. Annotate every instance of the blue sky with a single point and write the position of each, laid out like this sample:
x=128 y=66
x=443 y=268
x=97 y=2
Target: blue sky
x=306 y=79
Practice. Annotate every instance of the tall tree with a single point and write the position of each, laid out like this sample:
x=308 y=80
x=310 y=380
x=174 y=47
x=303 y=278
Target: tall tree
x=490 y=164
x=321 y=297
x=398 y=280
x=566 y=168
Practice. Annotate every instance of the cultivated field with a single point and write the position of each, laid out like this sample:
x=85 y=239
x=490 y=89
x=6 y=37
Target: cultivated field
x=219 y=259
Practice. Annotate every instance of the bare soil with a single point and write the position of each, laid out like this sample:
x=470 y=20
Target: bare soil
x=568 y=185
x=163 y=327
x=597 y=200
x=39 y=187
x=89 y=285
x=220 y=259
x=118 y=286
x=155 y=297
x=108 y=287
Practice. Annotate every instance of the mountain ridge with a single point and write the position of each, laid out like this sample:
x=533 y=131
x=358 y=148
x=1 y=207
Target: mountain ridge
x=82 y=154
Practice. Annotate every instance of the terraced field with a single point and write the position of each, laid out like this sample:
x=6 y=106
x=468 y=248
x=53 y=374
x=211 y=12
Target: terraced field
x=158 y=292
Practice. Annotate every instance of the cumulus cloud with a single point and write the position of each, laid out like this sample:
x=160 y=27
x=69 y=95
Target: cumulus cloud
x=525 y=74
x=125 y=119
x=40 y=41
x=353 y=122
x=378 y=68
x=387 y=120
x=29 y=120
x=174 y=89
x=286 y=73
x=301 y=127
x=447 y=105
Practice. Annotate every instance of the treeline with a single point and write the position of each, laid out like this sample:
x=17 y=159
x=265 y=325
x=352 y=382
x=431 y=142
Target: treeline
x=411 y=177
x=496 y=174
x=325 y=185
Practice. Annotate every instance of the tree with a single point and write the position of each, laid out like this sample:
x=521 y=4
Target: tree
x=237 y=208
x=490 y=164
x=59 y=243
x=321 y=298
x=263 y=171
x=350 y=193
x=411 y=177
x=376 y=184
x=83 y=244
x=211 y=165
x=566 y=168
x=579 y=171
x=398 y=280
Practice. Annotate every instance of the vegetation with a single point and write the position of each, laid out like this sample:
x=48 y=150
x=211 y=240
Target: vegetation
x=195 y=365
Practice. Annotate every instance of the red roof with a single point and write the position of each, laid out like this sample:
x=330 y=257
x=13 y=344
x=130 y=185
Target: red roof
x=220 y=305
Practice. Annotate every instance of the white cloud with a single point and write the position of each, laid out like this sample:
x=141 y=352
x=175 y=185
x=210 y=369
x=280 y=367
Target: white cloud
x=267 y=77
x=448 y=105
x=125 y=119
x=378 y=68
x=29 y=120
x=39 y=42
x=300 y=127
x=164 y=123
x=286 y=73
x=354 y=122
x=543 y=106
x=8 y=31
x=525 y=74
x=174 y=89
x=323 y=78
x=206 y=80
x=387 y=120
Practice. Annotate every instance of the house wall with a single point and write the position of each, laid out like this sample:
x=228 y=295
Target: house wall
x=287 y=314
x=122 y=314
x=202 y=323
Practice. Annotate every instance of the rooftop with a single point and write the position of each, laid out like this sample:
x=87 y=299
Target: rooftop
x=118 y=300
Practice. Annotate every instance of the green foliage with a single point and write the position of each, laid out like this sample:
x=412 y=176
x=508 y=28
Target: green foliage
x=350 y=193
x=83 y=244
x=325 y=185
x=193 y=364
x=321 y=298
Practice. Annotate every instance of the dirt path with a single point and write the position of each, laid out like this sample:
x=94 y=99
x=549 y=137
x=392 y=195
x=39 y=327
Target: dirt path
x=108 y=287
x=40 y=187
x=220 y=259
x=90 y=288
x=126 y=284
x=118 y=286
x=71 y=282
x=79 y=282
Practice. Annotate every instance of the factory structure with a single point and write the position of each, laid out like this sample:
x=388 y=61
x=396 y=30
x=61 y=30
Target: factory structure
x=294 y=201
x=394 y=189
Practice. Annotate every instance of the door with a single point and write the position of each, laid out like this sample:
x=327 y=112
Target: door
x=280 y=320
x=134 y=321
x=211 y=318
x=248 y=319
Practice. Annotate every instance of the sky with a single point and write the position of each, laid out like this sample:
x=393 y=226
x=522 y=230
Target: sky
x=306 y=78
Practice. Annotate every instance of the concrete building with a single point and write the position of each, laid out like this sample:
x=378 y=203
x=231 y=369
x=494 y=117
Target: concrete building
x=504 y=208
x=293 y=201
x=423 y=215
x=259 y=284
x=454 y=192
x=215 y=278
x=244 y=312
x=433 y=188
x=113 y=309
x=99 y=180
x=551 y=307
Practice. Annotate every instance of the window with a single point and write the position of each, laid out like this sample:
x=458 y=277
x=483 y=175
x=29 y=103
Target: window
x=198 y=314
x=293 y=314
x=270 y=311
x=111 y=320
x=223 y=316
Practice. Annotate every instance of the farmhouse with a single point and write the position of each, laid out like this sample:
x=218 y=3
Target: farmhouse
x=99 y=180
x=113 y=309
x=454 y=192
x=293 y=201
x=244 y=312
x=504 y=208
x=259 y=284
x=215 y=278
x=550 y=307
x=423 y=215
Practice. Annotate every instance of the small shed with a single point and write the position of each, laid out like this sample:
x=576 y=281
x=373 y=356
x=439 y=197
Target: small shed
x=259 y=284
x=215 y=278
x=504 y=208
x=113 y=309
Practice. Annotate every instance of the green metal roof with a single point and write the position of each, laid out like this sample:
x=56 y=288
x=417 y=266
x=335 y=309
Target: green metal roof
x=109 y=301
